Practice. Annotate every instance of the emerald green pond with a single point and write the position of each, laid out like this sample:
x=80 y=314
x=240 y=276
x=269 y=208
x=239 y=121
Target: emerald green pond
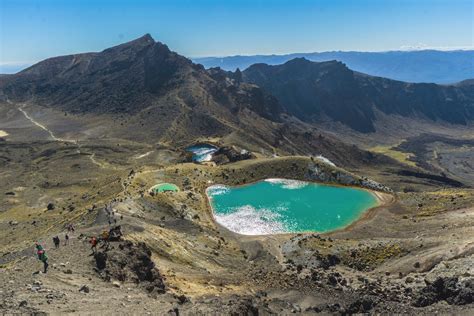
x=277 y=206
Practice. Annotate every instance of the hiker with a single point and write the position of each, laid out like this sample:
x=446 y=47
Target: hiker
x=56 y=242
x=66 y=239
x=93 y=242
x=42 y=256
x=70 y=228
x=105 y=239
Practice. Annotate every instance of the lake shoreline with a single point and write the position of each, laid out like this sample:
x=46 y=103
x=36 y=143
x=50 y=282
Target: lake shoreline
x=382 y=200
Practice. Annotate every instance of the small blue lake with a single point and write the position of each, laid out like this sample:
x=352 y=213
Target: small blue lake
x=276 y=206
x=202 y=152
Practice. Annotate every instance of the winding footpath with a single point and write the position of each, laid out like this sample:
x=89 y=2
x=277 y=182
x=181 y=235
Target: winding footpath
x=59 y=139
x=32 y=120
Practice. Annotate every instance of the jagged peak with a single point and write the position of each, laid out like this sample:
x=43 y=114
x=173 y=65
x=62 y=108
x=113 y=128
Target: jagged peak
x=145 y=39
x=298 y=60
x=142 y=41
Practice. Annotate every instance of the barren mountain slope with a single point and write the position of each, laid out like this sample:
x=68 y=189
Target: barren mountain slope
x=142 y=91
x=329 y=90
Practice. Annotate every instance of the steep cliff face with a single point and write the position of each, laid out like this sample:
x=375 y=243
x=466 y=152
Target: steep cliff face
x=329 y=90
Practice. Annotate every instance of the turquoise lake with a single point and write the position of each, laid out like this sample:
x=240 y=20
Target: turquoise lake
x=277 y=206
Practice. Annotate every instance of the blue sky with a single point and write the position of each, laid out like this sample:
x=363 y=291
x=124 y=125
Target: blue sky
x=34 y=30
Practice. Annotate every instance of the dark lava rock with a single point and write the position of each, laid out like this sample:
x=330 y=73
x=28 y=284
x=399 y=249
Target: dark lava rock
x=50 y=206
x=331 y=260
x=333 y=307
x=315 y=309
x=182 y=299
x=332 y=280
x=361 y=305
x=465 y=295
x=133 y=262
x=447 y=289
x=409 y=279
x=84 y=289
x=299 y=268
x=100 y=260
x=244 y=306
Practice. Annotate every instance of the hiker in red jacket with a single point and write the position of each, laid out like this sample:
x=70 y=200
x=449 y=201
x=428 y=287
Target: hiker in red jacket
x=93 y=242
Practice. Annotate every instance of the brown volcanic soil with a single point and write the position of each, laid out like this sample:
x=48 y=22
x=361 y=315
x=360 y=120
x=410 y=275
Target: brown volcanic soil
x=379 y=264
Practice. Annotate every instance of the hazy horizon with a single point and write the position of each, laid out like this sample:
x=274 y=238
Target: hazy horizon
x=11 y=68
x=32 y=31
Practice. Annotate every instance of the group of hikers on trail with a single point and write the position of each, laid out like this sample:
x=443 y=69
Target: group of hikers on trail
x=113 y=234
x=57 y=241
x=111 y=215
x=41 y=252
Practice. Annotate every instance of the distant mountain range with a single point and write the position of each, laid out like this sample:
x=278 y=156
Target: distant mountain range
x=315 y=91
x=433 y=66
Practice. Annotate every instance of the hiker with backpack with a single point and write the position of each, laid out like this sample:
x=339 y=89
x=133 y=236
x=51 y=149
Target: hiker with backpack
x=56 y=241
x=41 y=252
x=105 y=239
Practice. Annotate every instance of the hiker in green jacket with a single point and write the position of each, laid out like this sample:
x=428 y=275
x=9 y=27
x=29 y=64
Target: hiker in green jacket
x=42 y=256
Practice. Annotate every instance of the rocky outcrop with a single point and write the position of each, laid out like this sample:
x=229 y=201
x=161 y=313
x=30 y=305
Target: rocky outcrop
x=131 y=262
x=325 y=173
x=228 y=154
x=448 y=289
x=374 y=185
